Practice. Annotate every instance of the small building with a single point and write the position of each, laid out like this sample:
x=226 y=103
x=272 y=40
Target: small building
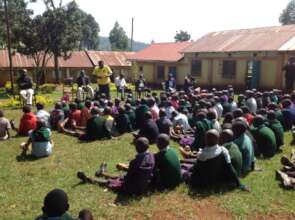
x=230 y=57
x=159 y=60
x=70 y=67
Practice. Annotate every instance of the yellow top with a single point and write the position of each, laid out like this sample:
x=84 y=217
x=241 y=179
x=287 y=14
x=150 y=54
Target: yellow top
x=103 y=75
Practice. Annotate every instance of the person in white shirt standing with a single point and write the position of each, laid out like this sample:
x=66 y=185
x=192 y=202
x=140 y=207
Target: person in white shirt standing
x=120 y=83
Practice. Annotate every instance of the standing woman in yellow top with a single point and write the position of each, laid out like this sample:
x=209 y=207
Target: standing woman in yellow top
x=102 y=73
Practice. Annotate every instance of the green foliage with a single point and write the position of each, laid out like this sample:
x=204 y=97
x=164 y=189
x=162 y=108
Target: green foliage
x=288 y=14
x=16 y=102
x=118 y=38
x=47 y=88
x=182 y=36
x=104 y=44
x=8 y=88
x=18 y=15
x=90 y=30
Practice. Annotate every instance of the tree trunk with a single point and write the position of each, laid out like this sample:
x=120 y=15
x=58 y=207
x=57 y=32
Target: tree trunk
x=56 y=69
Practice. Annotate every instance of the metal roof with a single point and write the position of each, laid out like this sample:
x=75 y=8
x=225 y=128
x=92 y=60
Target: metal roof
x=165 y=52
x=18 y=60
x=110 y=58
x=279 y=38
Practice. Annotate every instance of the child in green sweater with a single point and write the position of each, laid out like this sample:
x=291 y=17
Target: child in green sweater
x=167 y=164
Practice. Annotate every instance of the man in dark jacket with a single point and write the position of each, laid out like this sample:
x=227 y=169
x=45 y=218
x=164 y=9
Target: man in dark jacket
x=84 y=85
x=25 y=86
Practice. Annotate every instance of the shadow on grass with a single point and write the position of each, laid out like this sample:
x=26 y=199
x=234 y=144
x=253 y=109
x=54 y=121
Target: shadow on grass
x=27 y=158
x=203 y=193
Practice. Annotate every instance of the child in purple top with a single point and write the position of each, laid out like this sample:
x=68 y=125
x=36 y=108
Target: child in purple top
x=139 y=172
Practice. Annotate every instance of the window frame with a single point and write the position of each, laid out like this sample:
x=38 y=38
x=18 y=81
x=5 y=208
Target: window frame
x=162 y=73
x=197 y=65
x=231 y=71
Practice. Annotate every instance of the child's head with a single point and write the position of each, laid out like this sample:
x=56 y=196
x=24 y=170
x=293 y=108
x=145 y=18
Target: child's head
x=211 y=115
x=148 y=115
x=26 y=109
x=239 y=128
x=162 y=113
x=88 y=104
x=226 y=136
x=85 y=214
x=271 y=115
x=141 y=144
x=258 y=121
x=58 y=105
x=55 y=203
x=163 y=141
x=73 y=106
x=212 y=138
x=121 y=110
x=238 y=113
x=1 y=114
x=107 y=111
x=39 y=106
x=41 y=123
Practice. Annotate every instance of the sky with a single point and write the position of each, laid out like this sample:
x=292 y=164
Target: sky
x=158 y=20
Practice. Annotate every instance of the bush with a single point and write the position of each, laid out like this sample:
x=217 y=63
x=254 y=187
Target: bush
x=16 y=103
x=47 y=88
x=8 y=88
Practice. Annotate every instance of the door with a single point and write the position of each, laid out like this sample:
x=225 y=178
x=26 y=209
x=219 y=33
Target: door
x=256 y=69
x=172 y=70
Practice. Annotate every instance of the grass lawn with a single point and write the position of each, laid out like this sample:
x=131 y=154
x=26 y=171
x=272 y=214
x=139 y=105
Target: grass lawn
x=23 y=185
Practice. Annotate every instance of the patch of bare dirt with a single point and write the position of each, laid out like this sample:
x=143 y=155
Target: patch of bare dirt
x=273 y=217
x=209 y=210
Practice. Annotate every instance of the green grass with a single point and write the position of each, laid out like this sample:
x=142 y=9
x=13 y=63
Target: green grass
x=23 y=184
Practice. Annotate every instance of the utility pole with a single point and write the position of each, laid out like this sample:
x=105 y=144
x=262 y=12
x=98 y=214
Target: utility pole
x=9 y=45
x=132 y=29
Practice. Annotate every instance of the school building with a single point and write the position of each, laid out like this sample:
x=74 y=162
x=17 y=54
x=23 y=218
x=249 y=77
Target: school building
x=223 y=58
x=159 y=60
x=70 y=67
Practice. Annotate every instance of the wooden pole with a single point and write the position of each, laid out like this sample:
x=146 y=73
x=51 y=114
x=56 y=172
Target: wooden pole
x=9 y=46
x=132 y=30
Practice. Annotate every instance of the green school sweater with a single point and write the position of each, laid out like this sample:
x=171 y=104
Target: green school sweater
x=265 y=140
x=235 y=155
x=202 y=126
x=168 y=168
x=278 y=130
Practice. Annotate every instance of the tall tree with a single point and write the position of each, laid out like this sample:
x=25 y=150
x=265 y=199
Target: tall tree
x=18 y=14
x=32 y=43
x=118 y=38
x=62 y=26
x=182 y=36
x=288 y=14
x=90 y=30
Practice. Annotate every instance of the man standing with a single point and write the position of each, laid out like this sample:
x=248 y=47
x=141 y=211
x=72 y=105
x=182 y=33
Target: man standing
x=103 y=73
x=84 y=84
x=25 y=85
x=289 y=69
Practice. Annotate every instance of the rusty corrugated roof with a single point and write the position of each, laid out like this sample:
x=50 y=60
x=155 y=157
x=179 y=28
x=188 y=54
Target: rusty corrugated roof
x=165 y=52
x=279 y=38
x=111 y=58
x=18 y=60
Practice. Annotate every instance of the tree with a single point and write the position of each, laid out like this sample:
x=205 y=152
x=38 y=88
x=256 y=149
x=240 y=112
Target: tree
x=118 y=38
x=32 y=43
x=18 y=14
x=90 y=30
x=62 y=27
x=288 y=14
x=182 y=36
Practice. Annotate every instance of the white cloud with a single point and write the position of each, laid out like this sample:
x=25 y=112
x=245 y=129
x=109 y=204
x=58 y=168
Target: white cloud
x=160 y=19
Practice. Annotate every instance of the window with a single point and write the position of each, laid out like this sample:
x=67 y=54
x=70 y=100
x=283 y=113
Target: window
x=161 y=72
x=229 y=69
x=140 y=68
x=196 y=68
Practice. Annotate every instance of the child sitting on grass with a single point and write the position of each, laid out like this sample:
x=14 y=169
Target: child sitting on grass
x=139 y=172
x=40 y=139
x=4 y=127
x=167 y=170
x=27 y=123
